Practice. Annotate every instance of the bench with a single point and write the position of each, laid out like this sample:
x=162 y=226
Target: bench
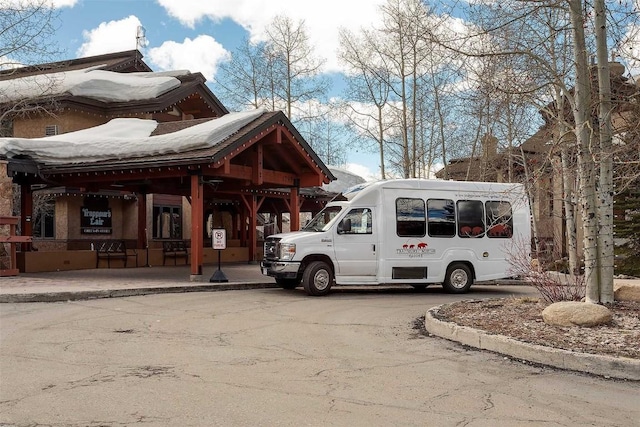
x=113 y=249
x=175 y=249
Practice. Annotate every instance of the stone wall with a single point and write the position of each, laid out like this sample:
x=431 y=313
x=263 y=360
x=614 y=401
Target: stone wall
x=6 y=191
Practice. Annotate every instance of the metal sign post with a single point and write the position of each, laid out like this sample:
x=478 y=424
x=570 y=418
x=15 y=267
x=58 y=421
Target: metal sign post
x=219 y=242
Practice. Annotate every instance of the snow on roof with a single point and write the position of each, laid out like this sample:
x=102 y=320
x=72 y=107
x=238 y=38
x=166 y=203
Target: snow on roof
x=101 y=85
x=344 y=180
x=125 y=138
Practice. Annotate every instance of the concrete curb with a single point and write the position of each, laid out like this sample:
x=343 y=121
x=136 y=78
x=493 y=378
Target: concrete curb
x=118 y=293
x=607 y=366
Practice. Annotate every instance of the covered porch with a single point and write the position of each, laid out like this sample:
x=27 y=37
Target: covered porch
x=260 y=165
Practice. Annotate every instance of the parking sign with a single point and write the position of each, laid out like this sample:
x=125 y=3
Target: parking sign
x=219 y=237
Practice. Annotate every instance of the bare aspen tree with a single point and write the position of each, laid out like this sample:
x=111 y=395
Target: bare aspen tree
x=327 y=136
x=243 y=81
x=366 y=85
x=405 y=49
x=408 y=78
x=26 y=29
x=297 y=70
x=586 y=165
x=605 y=189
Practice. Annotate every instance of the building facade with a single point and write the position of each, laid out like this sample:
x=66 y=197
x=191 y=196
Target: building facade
x=264 y=165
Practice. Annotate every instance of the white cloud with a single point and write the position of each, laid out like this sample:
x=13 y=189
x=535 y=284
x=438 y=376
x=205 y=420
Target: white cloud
x=322 y=19
x=112 y=36
x=202 y=54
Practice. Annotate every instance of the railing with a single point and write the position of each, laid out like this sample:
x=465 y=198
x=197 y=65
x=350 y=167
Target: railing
x=13 y=240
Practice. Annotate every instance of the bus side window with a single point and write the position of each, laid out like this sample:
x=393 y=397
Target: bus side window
x=499 y=220
x=470 y=218
x=411 y=218
x=441 y=218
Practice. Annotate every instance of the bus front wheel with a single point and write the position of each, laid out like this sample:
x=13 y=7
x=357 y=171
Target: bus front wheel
x=317 y=278
x=458 y=279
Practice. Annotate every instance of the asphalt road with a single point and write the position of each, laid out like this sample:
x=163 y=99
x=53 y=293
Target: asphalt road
x=273 y=357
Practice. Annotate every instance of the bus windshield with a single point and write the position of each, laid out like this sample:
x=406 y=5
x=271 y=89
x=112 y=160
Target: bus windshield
x=322 y=221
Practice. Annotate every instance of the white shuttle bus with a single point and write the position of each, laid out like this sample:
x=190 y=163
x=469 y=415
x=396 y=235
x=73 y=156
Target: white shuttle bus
x=406 y=231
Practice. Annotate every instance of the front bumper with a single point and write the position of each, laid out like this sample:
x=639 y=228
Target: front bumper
x=279 y=269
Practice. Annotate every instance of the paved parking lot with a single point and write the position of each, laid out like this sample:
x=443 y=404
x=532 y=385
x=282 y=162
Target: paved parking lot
x=275 y=357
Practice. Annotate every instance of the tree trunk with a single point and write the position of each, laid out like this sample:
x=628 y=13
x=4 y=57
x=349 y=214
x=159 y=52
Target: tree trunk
x=605 y=191
x=534 y=219
x=568 y=200
x=381 y=142
x=586 y=166
x=568 y=188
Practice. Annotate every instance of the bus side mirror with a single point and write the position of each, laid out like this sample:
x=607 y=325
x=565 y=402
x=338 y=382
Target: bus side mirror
x=344 y=226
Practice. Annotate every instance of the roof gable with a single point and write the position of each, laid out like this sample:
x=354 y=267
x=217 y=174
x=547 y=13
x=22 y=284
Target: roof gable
x=121 y=62
x=107 y=85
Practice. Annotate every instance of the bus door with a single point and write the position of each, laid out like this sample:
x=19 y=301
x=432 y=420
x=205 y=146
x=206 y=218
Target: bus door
x=356 y=244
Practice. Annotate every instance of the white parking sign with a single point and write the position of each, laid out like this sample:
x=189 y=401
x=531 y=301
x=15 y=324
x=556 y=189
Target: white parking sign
x=219 y=237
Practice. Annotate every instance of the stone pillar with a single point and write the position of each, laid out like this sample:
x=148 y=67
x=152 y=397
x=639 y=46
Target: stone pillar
x=6 y=191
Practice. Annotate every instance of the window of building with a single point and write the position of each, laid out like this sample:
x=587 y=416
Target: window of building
x=51 y=130
x=360 y=221
x=167 y=222
x=44 y=219
x=441 y=218
x=499 y=220
x=411 y=218
x=470 y=218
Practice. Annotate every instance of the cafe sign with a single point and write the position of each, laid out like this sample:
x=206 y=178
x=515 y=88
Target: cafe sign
x=95 y=221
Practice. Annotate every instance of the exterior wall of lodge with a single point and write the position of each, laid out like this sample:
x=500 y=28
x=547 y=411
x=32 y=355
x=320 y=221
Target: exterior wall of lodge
x=68 y=230
x=66 y=121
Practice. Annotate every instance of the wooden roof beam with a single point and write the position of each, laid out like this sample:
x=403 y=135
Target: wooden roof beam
x=270 y=177
x=303 y=153
x=257 y=160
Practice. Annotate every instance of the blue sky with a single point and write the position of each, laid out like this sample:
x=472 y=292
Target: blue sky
x=199 y=34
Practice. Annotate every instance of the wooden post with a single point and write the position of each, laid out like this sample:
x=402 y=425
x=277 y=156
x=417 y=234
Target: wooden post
x=26 y=214
x=197 y=213
x=252 y=205
x=294 y=206
x=142 y=242
x=253 y=233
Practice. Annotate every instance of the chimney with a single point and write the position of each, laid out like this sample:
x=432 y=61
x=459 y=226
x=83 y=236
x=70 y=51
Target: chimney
x=489 y=146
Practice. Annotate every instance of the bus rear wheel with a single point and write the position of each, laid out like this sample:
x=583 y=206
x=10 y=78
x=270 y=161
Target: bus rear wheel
x=458 y=279
x=317 y=278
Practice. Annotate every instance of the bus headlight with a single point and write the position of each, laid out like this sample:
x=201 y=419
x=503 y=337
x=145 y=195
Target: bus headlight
x=287 y=251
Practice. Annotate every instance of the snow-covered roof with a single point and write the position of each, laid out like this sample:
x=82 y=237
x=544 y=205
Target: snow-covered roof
x=93 y=83
x=125 y=138
x=344 y=180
